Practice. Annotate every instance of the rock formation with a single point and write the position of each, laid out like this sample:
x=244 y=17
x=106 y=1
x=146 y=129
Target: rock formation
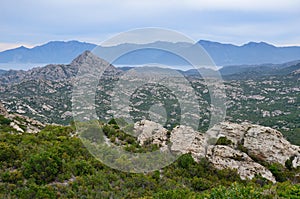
x=225 y=157
x=150 y=131
x=263 y=143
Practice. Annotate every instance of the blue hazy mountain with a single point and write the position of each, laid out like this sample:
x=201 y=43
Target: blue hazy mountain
x=234 y=69
x=2 y=71
x=250 y=53
x=52 y=52
x=222 y=54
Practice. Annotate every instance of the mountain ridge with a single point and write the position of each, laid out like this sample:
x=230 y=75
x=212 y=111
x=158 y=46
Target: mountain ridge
x=60 y=72
x=62 y=52
x=51 y=52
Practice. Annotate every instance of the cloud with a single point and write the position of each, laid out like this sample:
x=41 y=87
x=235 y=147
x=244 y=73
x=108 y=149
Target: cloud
x=95 y=20
x=244 y=5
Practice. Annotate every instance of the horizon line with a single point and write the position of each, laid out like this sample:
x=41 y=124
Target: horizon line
x=14 y=46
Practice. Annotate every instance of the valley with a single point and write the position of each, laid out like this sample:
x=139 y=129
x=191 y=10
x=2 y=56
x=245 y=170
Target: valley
x=45 y=94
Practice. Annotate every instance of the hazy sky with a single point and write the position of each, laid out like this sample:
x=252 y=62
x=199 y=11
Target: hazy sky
x=32 y=22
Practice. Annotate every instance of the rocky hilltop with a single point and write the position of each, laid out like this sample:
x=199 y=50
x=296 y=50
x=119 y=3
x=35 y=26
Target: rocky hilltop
x=45 y=93
x=53 y=72
x=244 y=147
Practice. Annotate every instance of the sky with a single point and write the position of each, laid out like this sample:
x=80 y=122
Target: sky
x=33 y=22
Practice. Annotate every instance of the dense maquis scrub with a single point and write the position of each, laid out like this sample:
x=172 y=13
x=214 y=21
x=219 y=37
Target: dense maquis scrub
x=55 y=164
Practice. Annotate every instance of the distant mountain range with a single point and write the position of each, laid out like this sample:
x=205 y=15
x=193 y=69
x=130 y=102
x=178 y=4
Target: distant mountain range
x=222 y=54
x=2 y=71
x=58 y=72
x=250 y=53
x=52 y=52
x=254 y=71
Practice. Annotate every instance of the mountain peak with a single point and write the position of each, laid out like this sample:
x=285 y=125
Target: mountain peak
x=257 y=44
x=92 y=62
x=86 y=57
x=64 y=42
x=22 y=48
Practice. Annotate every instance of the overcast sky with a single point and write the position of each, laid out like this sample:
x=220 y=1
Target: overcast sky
x=32 y=22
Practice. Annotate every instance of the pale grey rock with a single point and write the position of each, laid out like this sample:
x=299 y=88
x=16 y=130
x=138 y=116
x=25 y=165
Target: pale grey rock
x=16 y=127
x=59 y=72
x=270 y=145
x=150 y=131
x=296 y=162
x=225 y=157
x=264 y=142
x=67 y=114
x=18 y=121
x=186 y=140
x=232 y=131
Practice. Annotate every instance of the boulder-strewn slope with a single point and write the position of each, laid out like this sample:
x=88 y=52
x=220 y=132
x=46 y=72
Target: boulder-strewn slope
x=45 y=93
x=18 y=123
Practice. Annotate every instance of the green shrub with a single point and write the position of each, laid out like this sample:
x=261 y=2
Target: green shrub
x=43 y=167
x=4 y=121
x=8 y=152
x=289 y=163
x=185 y=161
x=223 y=141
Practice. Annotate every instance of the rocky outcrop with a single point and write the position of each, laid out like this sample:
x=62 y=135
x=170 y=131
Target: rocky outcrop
x=186 y=140
x=263 y=143
x=148 y=131
x=225 y=157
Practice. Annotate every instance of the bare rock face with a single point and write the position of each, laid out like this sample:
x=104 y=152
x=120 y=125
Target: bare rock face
x=269 y=144
x=186 y=140
x=225 y=157
x=59 y=72
x=232 y=131
x=265 y=143
x=150 y=131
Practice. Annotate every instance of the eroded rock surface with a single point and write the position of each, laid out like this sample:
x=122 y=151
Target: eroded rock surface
x=224 y=157
x=263 y=143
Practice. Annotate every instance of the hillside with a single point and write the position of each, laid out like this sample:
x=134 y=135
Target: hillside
x=260 y=70
x=45 y=94
x=54 y=163
x=233 y=159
